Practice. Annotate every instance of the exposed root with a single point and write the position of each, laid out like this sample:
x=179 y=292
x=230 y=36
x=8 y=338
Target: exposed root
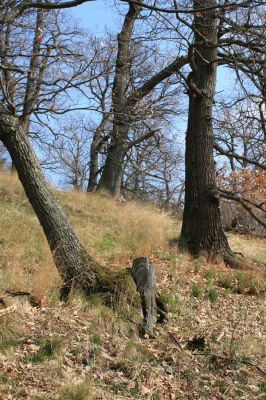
x=232 y=261
x=120 y=290
x=239 y=254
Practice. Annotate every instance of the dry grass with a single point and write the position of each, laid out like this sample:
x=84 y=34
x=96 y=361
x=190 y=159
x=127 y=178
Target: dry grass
x=25 y=258
x=111 y=228
x=251 y=247
x=79 y=391
x=112 y=232
x=102 y=353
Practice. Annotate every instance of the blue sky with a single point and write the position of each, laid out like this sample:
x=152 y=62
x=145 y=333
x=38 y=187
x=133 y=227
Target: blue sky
x=96 y=15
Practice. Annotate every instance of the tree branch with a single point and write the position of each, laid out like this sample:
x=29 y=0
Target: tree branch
x=230 y=196
x=18 y=10
x=141 y=139
x=46 y=5
x=148 y=86
x=12 y=68
x=232 y=154
x=191 y=11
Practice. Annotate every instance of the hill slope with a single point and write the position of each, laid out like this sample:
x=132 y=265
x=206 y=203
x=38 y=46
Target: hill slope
x=212 y=347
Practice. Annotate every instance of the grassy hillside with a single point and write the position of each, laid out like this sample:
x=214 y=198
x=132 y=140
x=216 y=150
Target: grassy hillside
x=212 y=347
x=114 y=233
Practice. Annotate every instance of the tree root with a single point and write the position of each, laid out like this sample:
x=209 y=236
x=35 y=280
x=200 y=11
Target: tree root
x=232 y=261
x=128 y=289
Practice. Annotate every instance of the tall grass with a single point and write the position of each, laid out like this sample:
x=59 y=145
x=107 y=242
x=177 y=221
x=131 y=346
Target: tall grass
x=112 y=228
x=111 y=231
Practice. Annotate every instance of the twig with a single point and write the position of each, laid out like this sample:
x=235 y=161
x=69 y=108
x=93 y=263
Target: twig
x=254 y=365
x=176 y=342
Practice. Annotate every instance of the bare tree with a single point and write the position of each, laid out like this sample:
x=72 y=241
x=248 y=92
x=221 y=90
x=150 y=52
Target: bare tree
x=202 y=229
x=153 y=170
x=125 y=102
x=67 y=154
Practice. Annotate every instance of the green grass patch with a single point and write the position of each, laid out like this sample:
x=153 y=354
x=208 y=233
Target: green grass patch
x=171 y=300
x=212 y=295
x=262 y=386
x=196 y=290
x=209 y=276
x=96 y=339
x=6 y=380
x=7 y=344
x=122 y=389
x=107 y=243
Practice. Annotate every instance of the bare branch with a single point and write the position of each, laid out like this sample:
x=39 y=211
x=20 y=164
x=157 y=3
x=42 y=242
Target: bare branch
x=231 y=154
x=140 y=139
x=12 y=68
x=231 y=5
x=166 y=72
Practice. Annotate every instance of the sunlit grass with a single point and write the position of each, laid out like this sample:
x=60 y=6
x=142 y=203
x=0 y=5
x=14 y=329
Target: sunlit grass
x=111 y=231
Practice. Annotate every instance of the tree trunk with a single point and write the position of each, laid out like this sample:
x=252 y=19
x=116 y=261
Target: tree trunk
x=202 y=229
x=113 y=169
x=94 y=168
x=123 y=103
x=144 y=276
x=112 y=174
x=96 y=145
x=75 y=266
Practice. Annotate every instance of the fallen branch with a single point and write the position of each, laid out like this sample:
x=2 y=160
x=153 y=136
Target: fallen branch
x=10 y=293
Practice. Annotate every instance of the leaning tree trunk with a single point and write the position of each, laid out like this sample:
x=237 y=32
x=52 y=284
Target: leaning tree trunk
x=202 y=231
x=75 y=266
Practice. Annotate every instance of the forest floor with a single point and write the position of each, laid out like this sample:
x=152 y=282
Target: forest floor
x=213 y=345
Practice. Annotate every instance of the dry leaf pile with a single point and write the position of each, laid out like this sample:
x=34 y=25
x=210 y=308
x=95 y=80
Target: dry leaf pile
x=212 y=347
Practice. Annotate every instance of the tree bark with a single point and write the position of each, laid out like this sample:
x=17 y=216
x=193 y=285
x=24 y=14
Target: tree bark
x=202 y=229
x=110 y=180
x=75 y=265
x=94 y=154
x=144 y=276
x=94 y=167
